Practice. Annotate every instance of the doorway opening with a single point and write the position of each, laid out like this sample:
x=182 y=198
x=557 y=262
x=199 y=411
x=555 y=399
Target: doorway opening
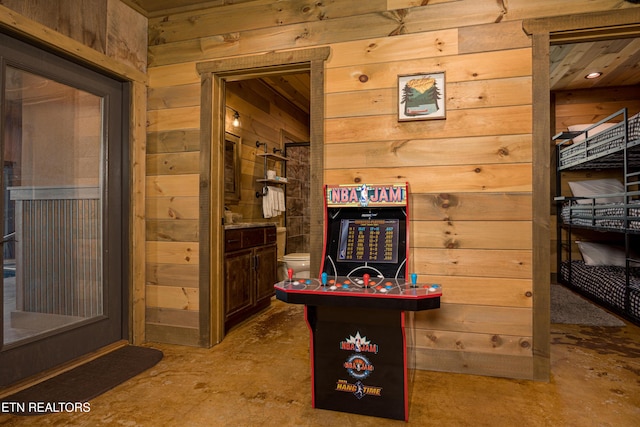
x=593 y=81
x=274 y=111
x=215 y=76
x=544 y=33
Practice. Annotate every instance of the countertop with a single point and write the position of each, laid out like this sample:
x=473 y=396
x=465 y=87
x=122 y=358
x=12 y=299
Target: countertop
x=249 y=225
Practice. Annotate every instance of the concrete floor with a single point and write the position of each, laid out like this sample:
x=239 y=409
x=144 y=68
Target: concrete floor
x=259 y=376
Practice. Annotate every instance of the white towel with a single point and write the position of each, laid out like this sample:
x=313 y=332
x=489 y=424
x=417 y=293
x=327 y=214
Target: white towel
x=267 y=203
x=273 y=202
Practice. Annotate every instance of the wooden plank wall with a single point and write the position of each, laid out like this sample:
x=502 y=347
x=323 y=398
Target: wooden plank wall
x=582 y=107
x=470 y=175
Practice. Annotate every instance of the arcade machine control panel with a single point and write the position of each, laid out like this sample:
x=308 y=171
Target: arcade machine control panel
x=393 y=293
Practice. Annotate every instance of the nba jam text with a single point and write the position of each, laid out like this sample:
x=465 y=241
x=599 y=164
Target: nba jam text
x=366 y=195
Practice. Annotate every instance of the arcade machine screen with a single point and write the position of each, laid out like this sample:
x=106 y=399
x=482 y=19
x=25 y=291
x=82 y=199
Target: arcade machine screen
x=363 y=240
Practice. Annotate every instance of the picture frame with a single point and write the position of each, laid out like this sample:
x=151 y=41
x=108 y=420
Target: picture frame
x=422 y=96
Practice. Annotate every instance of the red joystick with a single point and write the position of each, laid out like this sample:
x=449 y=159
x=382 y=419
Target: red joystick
x=290 y=273
x=366 y=278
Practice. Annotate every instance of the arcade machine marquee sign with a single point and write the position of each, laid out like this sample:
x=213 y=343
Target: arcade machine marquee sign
x=366 y=195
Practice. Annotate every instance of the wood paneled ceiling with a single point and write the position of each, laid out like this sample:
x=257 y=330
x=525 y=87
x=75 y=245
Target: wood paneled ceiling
x=618 y=60
x=296 y=88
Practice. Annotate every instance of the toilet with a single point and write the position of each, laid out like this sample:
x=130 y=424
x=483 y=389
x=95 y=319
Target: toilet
x=299 y=262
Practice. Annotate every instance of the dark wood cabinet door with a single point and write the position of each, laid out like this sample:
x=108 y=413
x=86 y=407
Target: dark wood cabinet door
x=266 y=274
x=250 y=271
x=238 y=275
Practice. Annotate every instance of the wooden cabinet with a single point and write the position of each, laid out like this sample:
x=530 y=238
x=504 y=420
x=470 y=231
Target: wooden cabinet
x=249 y=271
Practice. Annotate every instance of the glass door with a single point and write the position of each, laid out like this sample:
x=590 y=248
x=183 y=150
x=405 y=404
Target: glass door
x=62 y=281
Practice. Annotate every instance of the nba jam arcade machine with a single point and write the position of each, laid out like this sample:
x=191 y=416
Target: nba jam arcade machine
x=356 y=309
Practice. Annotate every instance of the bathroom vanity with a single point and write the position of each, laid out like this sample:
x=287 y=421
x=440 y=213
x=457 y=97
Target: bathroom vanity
x=250 y=265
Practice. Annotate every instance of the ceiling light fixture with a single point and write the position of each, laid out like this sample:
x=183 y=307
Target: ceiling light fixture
x=593 y=75
x=236 y=117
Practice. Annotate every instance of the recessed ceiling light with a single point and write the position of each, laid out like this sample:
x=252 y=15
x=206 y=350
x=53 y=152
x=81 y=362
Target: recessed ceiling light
x=593 y=75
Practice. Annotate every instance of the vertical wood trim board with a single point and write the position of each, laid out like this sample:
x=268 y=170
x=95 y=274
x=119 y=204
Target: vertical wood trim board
x=541 y=208
x=206 y=205
x=137 y=212
x=317 y=162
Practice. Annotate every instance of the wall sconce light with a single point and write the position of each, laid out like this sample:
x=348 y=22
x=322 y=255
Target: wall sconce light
x=236 y=117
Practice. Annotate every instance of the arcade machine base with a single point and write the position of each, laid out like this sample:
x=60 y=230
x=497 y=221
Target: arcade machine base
x=349 y=345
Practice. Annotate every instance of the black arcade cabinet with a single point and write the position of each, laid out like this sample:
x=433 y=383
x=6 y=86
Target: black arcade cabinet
x=355 y=309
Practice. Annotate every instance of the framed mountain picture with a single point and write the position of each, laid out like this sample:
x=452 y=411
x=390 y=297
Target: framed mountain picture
x=421 y=96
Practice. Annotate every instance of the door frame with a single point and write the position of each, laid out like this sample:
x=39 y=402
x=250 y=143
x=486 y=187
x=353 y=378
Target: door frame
x=68 y=343
x=544 y=32
x=214 y=74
